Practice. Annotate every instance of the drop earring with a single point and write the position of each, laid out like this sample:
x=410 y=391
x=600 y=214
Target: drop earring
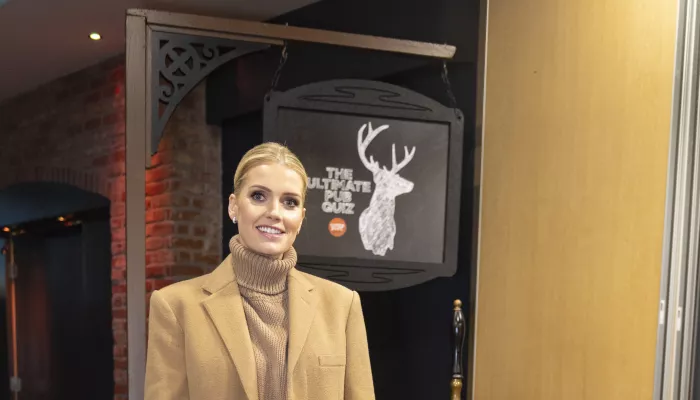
x=234 y=220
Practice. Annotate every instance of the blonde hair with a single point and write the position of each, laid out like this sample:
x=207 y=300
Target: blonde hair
x=269 y=153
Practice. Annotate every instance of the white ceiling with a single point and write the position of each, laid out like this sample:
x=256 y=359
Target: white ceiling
x=41 y=40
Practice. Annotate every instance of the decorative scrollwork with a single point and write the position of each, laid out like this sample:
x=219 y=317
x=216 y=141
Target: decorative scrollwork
x=180 y=62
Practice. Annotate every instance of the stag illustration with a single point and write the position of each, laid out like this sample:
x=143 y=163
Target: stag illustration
x=377 y=225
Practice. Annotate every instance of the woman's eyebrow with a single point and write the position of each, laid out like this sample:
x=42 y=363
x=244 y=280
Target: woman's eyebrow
x=261 y=187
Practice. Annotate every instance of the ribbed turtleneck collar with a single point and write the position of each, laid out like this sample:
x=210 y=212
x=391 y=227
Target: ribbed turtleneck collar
x=260 y=273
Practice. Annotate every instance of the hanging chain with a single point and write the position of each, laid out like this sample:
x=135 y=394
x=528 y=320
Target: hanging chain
x=280 y=66
x=448 y=87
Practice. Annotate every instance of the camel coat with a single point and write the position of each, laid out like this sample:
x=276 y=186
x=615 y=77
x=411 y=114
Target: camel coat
x=199 y=347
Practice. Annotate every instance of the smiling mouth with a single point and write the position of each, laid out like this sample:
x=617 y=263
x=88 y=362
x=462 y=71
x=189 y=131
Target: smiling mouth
x=269 y=230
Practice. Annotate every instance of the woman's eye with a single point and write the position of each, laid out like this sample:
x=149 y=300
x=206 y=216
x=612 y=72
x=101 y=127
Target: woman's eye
x=257 y=196
x=291 y=203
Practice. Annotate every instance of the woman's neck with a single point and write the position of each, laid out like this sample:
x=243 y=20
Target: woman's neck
x=259 y=272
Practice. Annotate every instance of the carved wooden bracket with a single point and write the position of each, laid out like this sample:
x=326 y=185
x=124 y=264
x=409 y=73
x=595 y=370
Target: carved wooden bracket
x=179 y=63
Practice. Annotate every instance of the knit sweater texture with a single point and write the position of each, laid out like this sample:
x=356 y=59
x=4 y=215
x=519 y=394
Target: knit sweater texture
x=262 y=282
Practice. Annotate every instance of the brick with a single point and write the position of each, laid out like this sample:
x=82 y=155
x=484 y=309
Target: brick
x=120 y=338
x=120 y=391
x=184 y=243
x=117 y=169
x=120 y=376
x=119 y=301
x=180 y=201
x=157 y=284
x=155 y=188
x=155 y=215
x=160 y=173
x=175 y=185
x=119 y=233
x=117 y=187
x=186 y=215
x=116 y=222
x=163 y=256
x=118 y=156
x=161 y=157
x=118 y=286
x=158 y=272
x=118 y=325
x=120 y=363
x=118 y=246
x=160 y=229
x=166 y=256
x=154 y=243
x=119 y=262
x=169 y=200
x=117 y=209
x=184 y=256
x=119 y=351
x=118 y=275
x=183 y=229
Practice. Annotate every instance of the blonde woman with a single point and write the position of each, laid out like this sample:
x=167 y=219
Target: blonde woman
x=256 y=328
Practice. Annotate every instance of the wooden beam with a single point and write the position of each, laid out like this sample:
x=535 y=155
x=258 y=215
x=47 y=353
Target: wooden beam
x=136 y=139
x=220 y=35
x=293 y=33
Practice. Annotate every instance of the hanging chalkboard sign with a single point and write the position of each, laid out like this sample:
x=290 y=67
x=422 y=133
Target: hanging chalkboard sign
x=384 y=166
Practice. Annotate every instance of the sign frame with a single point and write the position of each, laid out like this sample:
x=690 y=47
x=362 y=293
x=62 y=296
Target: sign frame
x=355 y=97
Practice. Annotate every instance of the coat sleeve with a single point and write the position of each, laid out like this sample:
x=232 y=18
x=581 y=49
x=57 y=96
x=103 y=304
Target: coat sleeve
x=358 y=371
x=166 y=377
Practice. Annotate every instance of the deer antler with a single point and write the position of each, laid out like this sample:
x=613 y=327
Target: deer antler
x=407 y=158
x=362 y=145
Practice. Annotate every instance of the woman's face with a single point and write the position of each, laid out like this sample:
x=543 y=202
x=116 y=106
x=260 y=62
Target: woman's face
x=269 y=209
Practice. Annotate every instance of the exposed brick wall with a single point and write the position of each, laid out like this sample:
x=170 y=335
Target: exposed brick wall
x=72 y=131
x=183 y=205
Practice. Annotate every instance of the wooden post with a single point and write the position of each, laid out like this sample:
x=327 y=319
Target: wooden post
x=136 y=136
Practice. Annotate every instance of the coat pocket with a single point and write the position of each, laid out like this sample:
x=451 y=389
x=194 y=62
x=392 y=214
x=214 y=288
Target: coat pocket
x=331 y=377
x=332 y=360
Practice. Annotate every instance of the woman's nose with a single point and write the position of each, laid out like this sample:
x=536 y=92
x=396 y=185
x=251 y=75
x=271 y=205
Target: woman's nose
x=274 y=210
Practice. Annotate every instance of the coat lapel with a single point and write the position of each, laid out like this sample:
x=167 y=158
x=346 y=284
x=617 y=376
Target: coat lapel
x=225 y=308
x=302 y=308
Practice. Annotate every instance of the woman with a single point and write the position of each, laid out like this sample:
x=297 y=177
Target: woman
x=256 y=328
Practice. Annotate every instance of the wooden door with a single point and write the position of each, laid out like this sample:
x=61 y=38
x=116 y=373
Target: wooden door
x=63 y=312
x=37 y=366
x=575 y=154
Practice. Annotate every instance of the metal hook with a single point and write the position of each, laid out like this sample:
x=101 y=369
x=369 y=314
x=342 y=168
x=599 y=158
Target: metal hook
x=278 y=72
x=448 y=87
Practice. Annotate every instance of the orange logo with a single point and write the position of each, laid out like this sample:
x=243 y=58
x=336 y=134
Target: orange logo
x=337 y=227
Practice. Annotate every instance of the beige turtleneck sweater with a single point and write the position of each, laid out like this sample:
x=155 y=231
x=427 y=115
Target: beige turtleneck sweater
x=262 y=282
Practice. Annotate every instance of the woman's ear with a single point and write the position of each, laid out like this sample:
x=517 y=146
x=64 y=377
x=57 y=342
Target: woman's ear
x=232 y=206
